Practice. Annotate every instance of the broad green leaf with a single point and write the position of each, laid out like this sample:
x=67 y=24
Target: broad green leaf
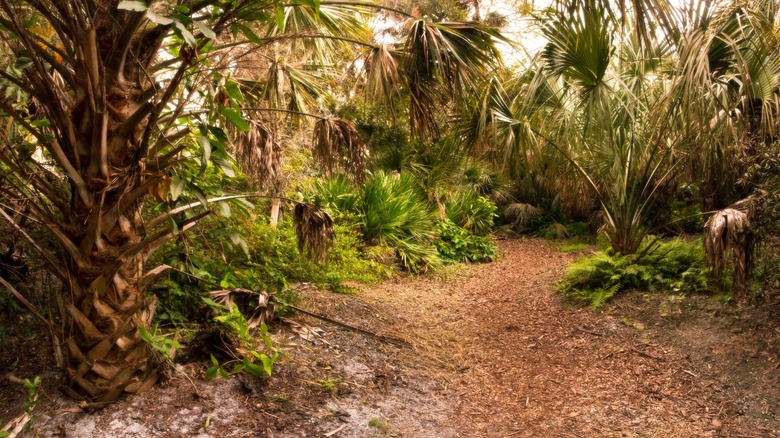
x=177 y=187
x=200 y=195
x=267 y=365
x=235 y=117
x=145 y=335
x=248 y=33
x=128 y=5
x=218 y=133
x=225 y=165
x=237 y=239
x=40 y=123
x=231 y=88
x=185 y=34
x=205 y=30
x=253 y=369
x=157 y=18
x=23 y=62
x=214 y=305
x=224 y=209
x=205 y=144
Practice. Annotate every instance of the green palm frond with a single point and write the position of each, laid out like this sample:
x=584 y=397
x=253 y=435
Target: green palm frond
x=579 y=47
x=444 y=60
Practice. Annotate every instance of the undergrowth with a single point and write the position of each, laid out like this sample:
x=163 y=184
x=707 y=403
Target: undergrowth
x=456 y=244
x=675 y=265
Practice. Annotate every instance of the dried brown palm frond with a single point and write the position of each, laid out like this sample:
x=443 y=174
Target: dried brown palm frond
x=257 y=152
x=314 y=230
x=257 y=306
x=728 y=233
x=521 y=212
x=337 y=143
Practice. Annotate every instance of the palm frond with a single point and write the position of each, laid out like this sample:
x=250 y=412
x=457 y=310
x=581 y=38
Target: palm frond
x=521 y=212
x=383 y=76
x=728 y=232
x=314 y=230
x=258 y=152
x=444 y=60
x=337 y=143
x=257 y=307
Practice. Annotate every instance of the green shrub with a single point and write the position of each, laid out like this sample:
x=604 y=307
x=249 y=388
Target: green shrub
x=485 y=181
x=673 y=265
x=337 y=194
x=471 y=211
x=458 y=245
x=390 y=212
x=265 y=258
x=395 y=214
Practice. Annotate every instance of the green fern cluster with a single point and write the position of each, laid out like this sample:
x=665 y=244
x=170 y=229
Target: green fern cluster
x=674 y=265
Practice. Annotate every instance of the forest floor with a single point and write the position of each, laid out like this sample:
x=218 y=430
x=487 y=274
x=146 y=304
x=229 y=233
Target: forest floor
x=482 y=351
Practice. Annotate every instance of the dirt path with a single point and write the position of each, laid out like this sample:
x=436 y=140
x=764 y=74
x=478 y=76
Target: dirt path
x=490 y=351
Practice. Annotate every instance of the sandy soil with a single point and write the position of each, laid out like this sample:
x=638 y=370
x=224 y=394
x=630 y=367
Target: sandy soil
x=479 y=351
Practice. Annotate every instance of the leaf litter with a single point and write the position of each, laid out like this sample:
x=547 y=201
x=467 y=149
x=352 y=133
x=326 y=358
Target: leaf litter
x=489 y=351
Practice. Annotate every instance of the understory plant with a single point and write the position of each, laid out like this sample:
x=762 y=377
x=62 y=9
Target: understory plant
x=469 y=210
x=456 y=244
x=674 y=265
x=389 y=211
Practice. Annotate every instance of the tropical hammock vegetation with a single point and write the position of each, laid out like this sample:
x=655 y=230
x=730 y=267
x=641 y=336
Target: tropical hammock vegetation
x=126 y=123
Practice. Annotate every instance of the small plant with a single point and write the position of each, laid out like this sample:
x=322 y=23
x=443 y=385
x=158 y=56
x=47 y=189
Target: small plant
x=251 y=362
x=376 y=423
x=232 y=323
x=329 y=385
x=471 y=211
x=159 y=342
x=675 y=265
x=458 y=245
x=32 y=393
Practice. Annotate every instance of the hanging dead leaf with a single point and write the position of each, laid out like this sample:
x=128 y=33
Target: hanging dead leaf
x=257 y=306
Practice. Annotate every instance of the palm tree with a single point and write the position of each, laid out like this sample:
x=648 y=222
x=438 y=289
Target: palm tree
x=120 y=98
x=632 y=113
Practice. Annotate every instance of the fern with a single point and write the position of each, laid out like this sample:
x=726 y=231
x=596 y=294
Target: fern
x=674 y=265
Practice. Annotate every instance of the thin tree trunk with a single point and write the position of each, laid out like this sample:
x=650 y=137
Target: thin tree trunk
x=276 y=205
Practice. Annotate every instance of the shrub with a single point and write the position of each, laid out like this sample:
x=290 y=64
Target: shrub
x=458 y=245
x=471 y=211
x=394 y=214
x=337 y=194
x=673 y=265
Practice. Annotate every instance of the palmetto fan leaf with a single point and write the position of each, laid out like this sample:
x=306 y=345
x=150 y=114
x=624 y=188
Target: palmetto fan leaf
x=435 y=62
x=257 y=306
x=579 y=46
x=329 y=21
x=384 y=79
